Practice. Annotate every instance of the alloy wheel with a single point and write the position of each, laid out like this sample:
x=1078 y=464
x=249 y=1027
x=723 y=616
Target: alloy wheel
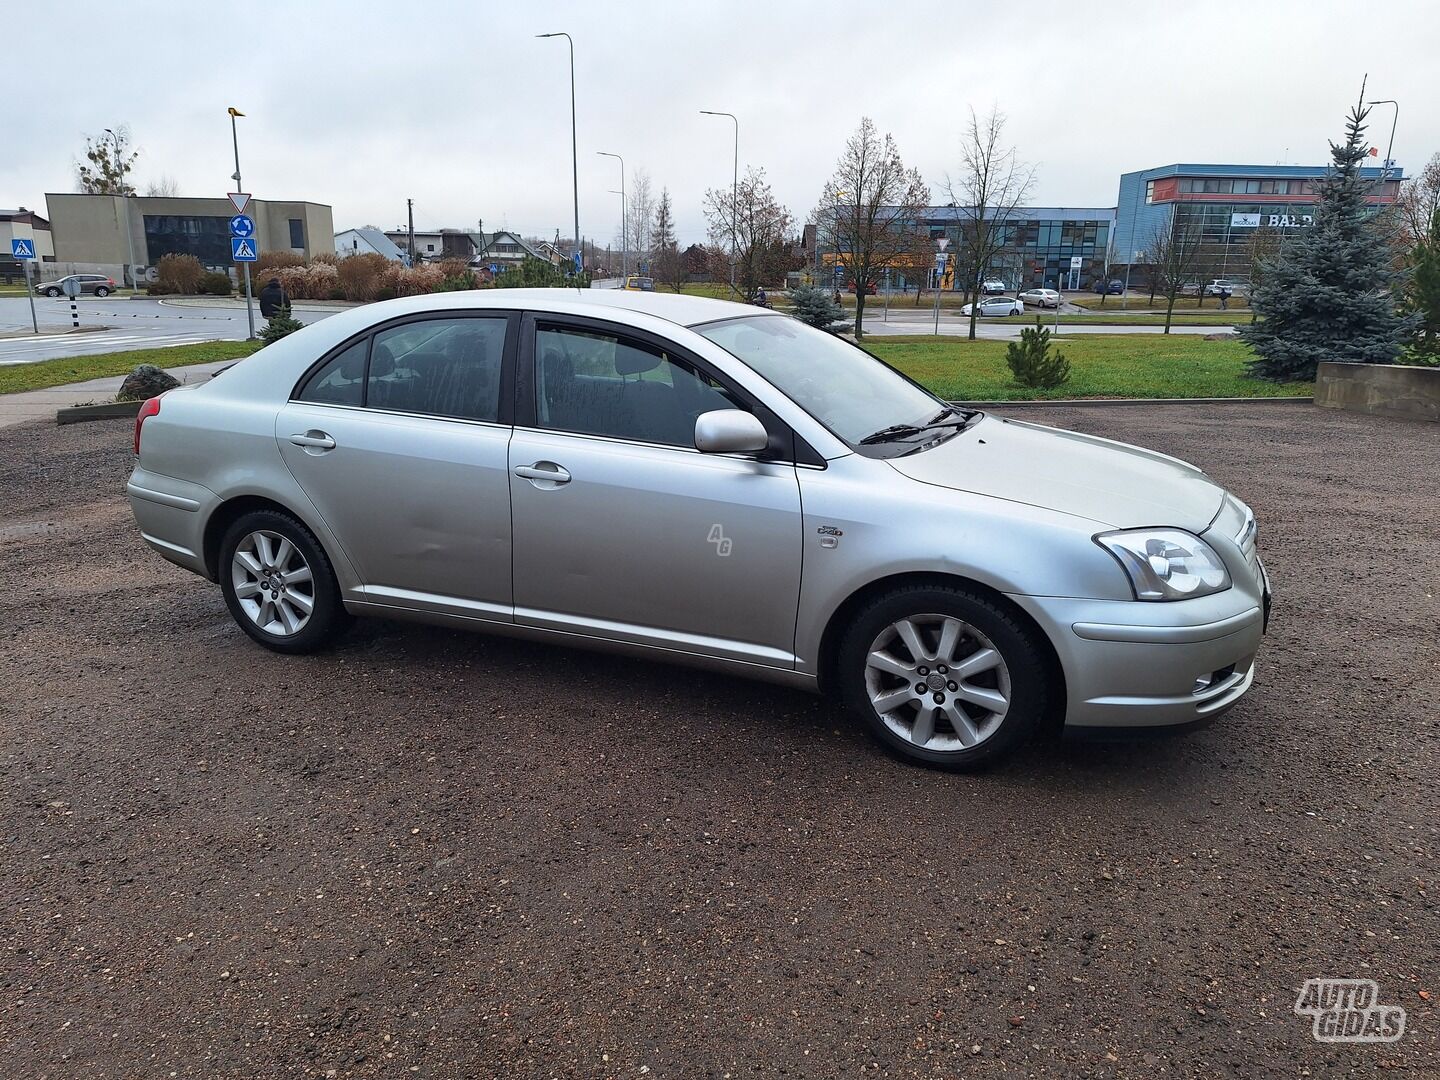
x=273 y=583
x=937 y=682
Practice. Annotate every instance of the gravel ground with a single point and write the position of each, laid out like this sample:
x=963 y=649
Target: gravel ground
x=434 y=854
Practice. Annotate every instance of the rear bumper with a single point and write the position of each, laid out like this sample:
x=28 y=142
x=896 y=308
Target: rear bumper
x=171 y=515
x=1149 y=666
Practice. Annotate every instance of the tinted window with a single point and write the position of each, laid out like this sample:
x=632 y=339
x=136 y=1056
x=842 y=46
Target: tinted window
x=341 y=381
x=443 y=367
x=601 y=384
x=297 y=233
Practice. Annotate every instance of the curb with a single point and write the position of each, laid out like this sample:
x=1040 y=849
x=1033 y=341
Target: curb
x=1070 y=403
x=108 y=410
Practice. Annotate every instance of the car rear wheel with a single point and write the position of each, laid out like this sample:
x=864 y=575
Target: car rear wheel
x=102 y=291
x=279 y=584
x=943 y=677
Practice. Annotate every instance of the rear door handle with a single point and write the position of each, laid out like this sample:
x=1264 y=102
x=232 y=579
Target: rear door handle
x=543 y=473
x=312 y=438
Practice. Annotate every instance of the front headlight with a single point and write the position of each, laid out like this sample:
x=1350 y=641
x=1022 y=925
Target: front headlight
x=1166 y=564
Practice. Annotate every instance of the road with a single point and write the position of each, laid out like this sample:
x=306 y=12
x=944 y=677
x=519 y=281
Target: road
x=910 y=321
x=135 y=323
x=425 y=853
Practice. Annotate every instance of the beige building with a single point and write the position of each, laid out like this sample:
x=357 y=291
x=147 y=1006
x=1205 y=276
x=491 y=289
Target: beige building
x=115 y=230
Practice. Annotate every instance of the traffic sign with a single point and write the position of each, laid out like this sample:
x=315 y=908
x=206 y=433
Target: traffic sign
x=940 y=260
x=240 y=200
x=22 y=249
x=1074 y=262
x=240 y=225
x=579 y=263
x=242 y=249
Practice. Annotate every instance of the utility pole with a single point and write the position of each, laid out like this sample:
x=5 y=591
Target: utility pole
x=249 y=300
x=734 y=197
x=574 y=146
x=410 y=215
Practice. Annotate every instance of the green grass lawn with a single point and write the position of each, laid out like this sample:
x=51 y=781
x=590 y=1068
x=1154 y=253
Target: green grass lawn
x=73 y=369
x=1127 y=366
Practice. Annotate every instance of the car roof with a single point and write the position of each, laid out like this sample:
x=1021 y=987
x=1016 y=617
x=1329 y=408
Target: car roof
x=676 y=308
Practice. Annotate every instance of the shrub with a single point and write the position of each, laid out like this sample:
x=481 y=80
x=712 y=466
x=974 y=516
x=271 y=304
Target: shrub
x=181 y=273
x=404 y=280
x=279 y=326
x=214 y=283
x=155 y=288
x=362 y=276
x=816 y=307
x=268 y=262
x=458 y=282
x=1030 y=361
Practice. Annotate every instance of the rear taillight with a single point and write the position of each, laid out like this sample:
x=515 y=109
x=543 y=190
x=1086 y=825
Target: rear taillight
x=149 y=409
x=109 y=281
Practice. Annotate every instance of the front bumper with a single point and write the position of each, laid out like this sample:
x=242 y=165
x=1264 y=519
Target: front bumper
x=1147 y=665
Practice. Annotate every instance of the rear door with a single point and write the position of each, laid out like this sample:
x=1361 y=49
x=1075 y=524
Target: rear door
x=399 y=438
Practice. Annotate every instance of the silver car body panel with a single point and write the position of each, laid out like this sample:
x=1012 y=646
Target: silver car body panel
x=716 y=560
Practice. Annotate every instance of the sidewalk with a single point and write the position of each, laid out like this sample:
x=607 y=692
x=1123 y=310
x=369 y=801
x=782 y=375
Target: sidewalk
x=41 y=404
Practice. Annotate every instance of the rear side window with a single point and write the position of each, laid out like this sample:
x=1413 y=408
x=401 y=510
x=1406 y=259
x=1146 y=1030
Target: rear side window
x=340 y=380
x=439 y=367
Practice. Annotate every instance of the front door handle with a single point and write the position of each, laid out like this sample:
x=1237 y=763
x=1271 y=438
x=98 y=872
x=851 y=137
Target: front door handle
x=543 y=474
x=313 y=439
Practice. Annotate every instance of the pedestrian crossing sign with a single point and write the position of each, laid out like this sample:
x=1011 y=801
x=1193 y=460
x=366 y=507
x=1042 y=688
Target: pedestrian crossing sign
x=242 y=249
x=22 y=249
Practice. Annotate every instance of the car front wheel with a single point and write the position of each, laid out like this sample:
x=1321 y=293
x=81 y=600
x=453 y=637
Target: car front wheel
x=278 y=583
x=943 y=677
x=52 y=292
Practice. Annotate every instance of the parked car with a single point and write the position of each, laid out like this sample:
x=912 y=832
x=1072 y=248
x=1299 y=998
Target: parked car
x=667 y=477
x=1113 y=287
x=997 y=305
x=1234 y=288
x=870 y=288
x=993 y=288
x=95 y=284
x=1041 y=298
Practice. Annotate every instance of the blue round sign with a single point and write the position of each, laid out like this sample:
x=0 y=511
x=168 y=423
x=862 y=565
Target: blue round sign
x=240 y=225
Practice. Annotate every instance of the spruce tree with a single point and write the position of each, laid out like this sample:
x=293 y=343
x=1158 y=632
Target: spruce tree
x=815 y=306
x=1423 y=296
x=1330 y=293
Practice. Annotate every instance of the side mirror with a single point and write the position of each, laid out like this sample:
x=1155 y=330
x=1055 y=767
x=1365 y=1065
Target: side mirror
x=730 y=431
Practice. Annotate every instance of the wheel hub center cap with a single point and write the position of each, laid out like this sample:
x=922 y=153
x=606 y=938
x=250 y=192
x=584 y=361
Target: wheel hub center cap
x=935 y=681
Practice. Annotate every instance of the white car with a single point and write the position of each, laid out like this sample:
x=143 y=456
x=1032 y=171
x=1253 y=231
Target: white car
x=997 y=305
x=1041 y=297
x=1234 y=288
x=992 y=288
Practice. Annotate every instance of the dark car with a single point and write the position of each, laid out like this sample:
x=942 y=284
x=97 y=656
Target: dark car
x=98 y=284
x=1113 y=287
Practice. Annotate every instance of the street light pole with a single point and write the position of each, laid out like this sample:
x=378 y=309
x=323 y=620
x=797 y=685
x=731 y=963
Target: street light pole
x=129 y=237
x=245 y=266
x=624 y=233
x=734 y=196
x=574 y=150
x=1390 y=146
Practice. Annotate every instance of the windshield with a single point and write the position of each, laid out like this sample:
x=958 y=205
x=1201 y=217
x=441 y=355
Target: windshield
x=839 y=384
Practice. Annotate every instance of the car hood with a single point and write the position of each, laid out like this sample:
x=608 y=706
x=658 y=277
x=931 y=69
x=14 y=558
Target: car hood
x=1108 y=482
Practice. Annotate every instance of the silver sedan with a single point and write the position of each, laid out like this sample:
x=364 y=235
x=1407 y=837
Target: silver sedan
x=703 y=482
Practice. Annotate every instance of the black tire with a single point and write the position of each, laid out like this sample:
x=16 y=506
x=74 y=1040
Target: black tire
x=52 y=292
x=327 y=619
x=1029 y=675
x=102 y=291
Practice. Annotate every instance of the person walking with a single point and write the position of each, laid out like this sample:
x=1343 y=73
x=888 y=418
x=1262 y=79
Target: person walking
x=274 y=300
x=1224 y=299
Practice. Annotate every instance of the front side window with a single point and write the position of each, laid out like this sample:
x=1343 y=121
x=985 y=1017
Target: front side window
x=601 y=384
x=841 y=385
x=439 y=367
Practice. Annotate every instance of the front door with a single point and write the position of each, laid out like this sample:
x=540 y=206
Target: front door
x=622 y=529
x=397 y=440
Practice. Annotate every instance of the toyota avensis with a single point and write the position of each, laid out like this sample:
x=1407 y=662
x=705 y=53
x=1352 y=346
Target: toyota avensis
x=700 y=481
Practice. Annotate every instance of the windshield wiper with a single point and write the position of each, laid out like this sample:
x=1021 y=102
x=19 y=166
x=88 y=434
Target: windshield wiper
x=896 y=432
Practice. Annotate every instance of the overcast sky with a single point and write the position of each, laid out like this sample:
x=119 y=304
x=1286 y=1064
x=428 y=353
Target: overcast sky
x=455 y=104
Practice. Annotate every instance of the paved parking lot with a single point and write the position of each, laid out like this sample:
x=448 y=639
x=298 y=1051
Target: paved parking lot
x=440 y=855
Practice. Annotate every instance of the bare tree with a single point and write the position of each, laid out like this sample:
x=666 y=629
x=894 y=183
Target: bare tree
x=164 y=187
x=108 y=163
x=1419 y=200
x=642 y=213
x=1175 y=259
x=1260 y=250
x=993 y=183
x=752 y=222
x=667 y=264
x=870 y=210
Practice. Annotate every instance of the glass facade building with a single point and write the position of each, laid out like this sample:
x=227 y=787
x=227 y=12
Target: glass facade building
x=1232 y=207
